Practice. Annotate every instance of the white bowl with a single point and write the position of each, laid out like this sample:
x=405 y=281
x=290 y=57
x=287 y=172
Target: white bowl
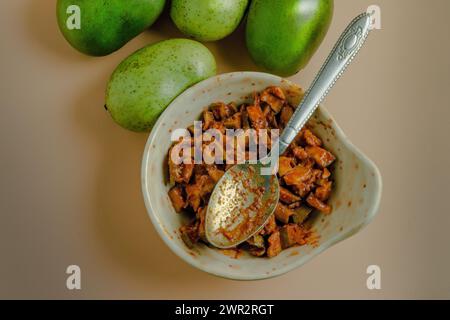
x=355 y=198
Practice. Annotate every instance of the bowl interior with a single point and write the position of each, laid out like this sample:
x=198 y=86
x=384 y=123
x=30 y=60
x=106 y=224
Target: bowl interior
x=354 y=200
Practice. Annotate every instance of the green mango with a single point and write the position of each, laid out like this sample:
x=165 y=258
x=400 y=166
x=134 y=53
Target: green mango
x=105 y=26
x=146 y=82
x=282 y=36
x=207 y=20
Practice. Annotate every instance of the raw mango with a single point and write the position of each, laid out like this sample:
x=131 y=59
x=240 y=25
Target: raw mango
x=207 y=20
x=145 y=83
x=282 y=36
x=98 y=27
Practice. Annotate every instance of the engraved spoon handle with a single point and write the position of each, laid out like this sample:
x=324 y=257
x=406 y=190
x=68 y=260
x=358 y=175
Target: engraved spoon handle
x=343 y=53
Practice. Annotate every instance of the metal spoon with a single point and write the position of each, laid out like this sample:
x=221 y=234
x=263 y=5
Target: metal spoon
x=244 y=199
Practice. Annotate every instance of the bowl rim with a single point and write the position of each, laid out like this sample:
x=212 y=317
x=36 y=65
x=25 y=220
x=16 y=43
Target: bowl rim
x=375 y=202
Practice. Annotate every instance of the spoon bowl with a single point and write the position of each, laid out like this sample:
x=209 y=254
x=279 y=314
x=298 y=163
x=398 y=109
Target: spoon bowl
x=240 y=205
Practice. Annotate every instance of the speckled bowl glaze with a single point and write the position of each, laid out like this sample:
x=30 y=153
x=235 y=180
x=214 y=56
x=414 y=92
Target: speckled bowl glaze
x=355 y=198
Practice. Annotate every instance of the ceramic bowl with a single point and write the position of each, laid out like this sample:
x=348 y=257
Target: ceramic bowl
x=355 y=198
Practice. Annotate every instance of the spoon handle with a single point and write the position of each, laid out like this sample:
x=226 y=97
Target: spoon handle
x=343 y=53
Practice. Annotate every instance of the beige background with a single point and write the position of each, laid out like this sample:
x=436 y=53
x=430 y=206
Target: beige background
x=70 y=188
